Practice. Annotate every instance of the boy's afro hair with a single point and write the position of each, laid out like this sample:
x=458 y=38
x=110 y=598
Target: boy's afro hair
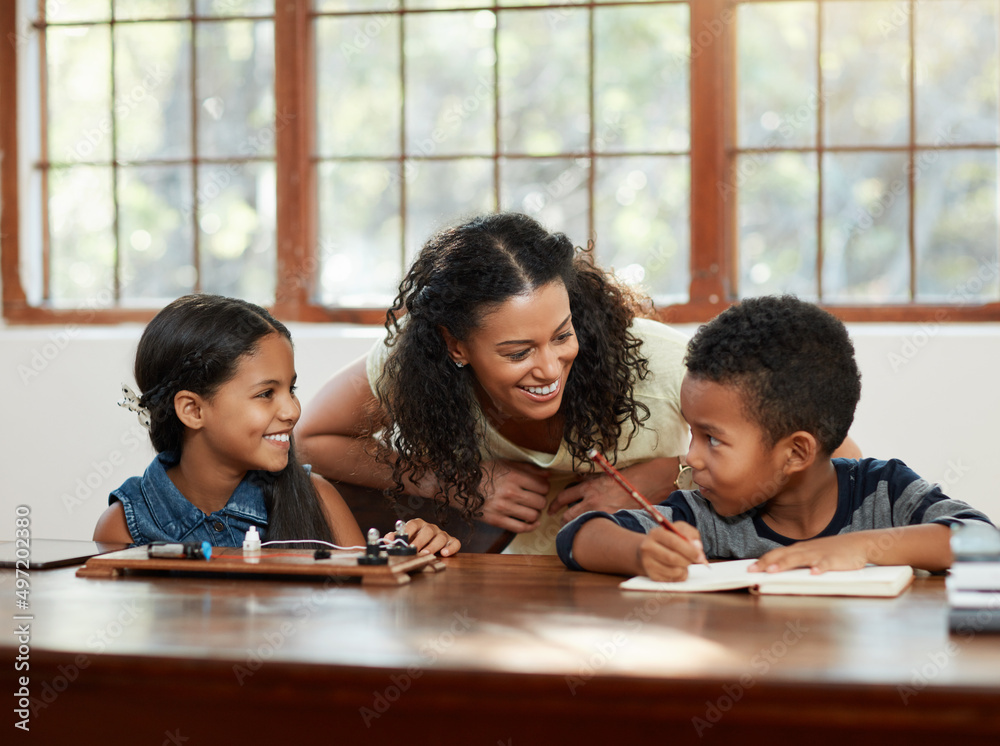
x=792 y=361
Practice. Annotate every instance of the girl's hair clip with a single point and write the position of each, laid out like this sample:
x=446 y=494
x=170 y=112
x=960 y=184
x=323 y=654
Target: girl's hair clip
x=131 y=402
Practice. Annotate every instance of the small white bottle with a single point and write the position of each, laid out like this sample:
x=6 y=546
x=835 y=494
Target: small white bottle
x=251 y=542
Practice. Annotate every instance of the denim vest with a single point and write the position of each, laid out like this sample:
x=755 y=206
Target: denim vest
x=155 y=510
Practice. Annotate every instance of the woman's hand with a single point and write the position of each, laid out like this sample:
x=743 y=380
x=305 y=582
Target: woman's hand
x=428 y=538
x=597 y=492
x=653 y=479
x=515 y=494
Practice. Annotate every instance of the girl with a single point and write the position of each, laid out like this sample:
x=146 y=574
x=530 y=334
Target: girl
x=217 y=377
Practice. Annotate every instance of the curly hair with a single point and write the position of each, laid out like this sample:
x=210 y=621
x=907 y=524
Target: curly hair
x=428 y=407
x=792 y=362
x=196 y=343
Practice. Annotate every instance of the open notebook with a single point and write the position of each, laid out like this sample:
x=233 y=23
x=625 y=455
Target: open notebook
x=883 y=581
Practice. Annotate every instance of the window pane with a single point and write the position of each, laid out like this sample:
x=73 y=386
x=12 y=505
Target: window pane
x=155 y=233
x=865 y=73
x=235 y=89
x=450 y=83
x=79 y=93
x=544 y=101
x=72 y=11
x=358 y=100
x=440 y=193
x=957 y=64
x=777 y=224
x=234 y=7
x=31 y=234
x=152 y=92
x=551 y=190
x=642 y=76
x=423 y=4
x=865 y=228
x=641 y=218
x=236 y=230
x=81 y=229
x=145 y=9
x=325 y=6
x=777 y=97
x=956 y=227
x=561 y=6
x=360 y=241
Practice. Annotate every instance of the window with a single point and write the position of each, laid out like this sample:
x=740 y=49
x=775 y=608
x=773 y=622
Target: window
x=297 y=154
x=153 y=171
x=867 y=144
x=442 y=114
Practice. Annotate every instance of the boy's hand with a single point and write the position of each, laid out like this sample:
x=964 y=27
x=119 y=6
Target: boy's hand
x=665 y=556
x=844 y=552
x=428 y=538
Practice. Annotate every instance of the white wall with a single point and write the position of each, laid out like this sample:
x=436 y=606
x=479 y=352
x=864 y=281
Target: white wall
x=65 y=444
x=930 y=397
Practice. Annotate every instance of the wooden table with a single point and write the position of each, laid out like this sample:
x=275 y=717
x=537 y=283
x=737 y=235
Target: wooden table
x=495 y=650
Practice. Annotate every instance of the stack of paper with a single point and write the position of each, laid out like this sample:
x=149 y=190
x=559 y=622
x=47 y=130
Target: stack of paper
x=974 y=596
x=973 y=581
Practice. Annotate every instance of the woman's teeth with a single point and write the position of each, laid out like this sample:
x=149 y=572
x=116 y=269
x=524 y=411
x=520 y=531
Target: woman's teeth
x=281 y=437
x=542 y=390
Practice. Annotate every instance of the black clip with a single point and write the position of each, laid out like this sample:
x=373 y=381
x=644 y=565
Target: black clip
x=373 y=552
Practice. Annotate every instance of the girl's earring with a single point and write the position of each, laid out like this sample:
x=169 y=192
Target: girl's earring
x=458 y=364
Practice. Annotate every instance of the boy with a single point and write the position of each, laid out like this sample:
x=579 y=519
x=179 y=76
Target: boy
x=769 y=393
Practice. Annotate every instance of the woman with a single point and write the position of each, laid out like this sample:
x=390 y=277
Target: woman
x=515 y=357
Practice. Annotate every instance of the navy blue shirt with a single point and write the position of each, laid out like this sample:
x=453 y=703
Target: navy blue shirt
x=872 y=494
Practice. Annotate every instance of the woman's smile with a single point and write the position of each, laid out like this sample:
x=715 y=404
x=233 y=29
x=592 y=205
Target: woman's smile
x=521 y=354
x=543 y=393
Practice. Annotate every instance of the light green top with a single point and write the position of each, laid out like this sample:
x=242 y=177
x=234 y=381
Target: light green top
x=664 y=434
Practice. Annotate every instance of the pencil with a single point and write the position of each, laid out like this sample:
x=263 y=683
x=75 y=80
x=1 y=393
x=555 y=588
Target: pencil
x=598 y=458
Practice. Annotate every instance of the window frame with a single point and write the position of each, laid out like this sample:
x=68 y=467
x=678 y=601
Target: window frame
x=713 y=158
